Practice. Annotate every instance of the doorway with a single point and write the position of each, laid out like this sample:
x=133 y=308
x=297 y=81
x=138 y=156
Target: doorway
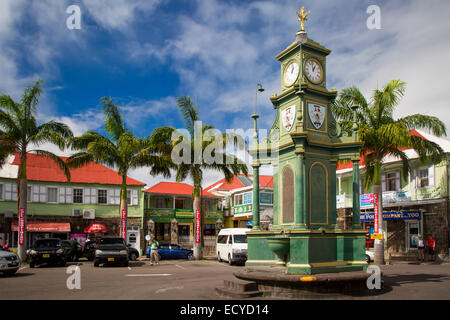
x=412 y=234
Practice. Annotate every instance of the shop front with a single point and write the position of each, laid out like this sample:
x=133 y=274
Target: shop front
x=37 y=230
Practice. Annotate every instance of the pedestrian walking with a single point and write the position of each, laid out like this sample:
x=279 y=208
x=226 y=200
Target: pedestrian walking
x=421 y=247
x=154 y=252
x=431 y=247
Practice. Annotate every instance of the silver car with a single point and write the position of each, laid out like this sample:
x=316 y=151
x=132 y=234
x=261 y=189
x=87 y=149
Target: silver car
x=9 y=262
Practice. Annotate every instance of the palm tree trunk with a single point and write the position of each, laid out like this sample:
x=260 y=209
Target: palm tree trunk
x=197 y=246
x=379 y=243
x=22 y=188
x=123 y=208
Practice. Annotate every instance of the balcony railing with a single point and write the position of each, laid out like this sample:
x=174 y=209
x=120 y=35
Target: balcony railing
x=389 y=197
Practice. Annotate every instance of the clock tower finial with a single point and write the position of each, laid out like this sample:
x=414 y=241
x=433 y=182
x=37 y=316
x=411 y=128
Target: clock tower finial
x=302 y=17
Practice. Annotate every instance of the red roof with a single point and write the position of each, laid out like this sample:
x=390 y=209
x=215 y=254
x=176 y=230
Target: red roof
x=175 y=188
x=41 y=168
x=349 y=164
x=236 y=183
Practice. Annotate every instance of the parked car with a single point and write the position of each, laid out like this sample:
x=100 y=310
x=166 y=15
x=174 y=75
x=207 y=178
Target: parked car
x=133 y=253
x=172 y=251
x=370 y=256
x=72 y=249
x=111 y=250
x=89 y=250
x=9 y=262
x=232 y=245
x=49 y=251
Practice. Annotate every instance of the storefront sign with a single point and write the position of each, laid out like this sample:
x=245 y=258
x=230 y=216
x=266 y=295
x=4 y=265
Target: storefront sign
x=392 y=215
x=366 y=199
x=376 y=216
x=21 y=226
x=123 y=224
x=377 y=236
x=197 y=226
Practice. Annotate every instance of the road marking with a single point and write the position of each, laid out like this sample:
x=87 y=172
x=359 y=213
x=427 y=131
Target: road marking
x=170 y=288
x=149 y=275
x=180 y=266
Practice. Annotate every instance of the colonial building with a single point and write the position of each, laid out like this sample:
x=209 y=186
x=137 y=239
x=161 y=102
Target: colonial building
x=169 y=215
x=238 y=200
x=413 y=205
x=58 y=208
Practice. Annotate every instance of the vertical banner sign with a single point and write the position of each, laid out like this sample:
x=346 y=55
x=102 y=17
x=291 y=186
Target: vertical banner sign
x=197 y=226
x=123 y=224
x=375 y=213
x=21 y=226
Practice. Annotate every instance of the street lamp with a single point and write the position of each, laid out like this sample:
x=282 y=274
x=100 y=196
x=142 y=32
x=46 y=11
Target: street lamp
x=255 y=116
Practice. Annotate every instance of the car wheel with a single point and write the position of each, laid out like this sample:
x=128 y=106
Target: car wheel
x=159 y=257
x=63 y=263
x=218 y=257
x=190 y=256
x=133 y=256
x=367 y=258
x=10 y=272
x=230 y=262
x=32 y=264
x=96 y=264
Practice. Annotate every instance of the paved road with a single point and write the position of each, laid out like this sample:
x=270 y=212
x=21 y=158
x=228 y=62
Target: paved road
x=192 y=280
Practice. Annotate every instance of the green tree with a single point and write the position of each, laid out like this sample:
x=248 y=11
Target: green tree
x=202 y=148
x=382 y=135
x=19 y=131
x=121 y=150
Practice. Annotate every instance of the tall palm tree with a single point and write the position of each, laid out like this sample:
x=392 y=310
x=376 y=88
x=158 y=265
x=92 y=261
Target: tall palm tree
x=19 y=130
x=200 y=142
x=121 y=149
x=382 y=135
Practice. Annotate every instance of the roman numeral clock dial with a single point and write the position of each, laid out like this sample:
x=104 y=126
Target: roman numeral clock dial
x=291 y=73
x=313 y=71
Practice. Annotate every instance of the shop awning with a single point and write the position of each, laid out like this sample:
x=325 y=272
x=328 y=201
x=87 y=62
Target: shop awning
x=96 y=228
x=43 y=226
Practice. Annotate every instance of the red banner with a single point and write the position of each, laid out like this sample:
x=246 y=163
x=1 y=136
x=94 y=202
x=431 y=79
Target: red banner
x=197 y=226
x=375 y=213
x=123 y=224
x=21 y=226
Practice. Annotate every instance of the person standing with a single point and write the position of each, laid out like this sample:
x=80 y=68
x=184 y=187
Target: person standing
x=431 y=247
x=421 y=247
x=154 y=252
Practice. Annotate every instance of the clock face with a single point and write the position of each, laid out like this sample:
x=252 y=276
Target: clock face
x=313 y=70
x=291 y=73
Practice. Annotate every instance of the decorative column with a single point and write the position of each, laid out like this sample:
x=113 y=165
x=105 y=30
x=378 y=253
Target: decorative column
x=300 y=190
x=255 y=166
x=356 y=196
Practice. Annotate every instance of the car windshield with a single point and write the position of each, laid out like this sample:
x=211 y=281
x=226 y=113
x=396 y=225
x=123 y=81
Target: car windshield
x=240 y=238
x=47 y=243
x=111 y=241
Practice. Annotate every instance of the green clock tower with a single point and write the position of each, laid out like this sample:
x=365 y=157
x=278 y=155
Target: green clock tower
x=303 y=147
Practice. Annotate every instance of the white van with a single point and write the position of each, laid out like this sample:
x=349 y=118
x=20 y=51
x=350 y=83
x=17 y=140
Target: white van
x=232 y=245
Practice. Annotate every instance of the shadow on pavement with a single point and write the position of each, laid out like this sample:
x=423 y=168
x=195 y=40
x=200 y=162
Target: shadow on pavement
x=397 y=280
x=18 y=274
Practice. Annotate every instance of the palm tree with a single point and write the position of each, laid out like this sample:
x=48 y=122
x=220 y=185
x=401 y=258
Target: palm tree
x=228 y=164
x=382 y=135
x=19 y=130
x=121 y=149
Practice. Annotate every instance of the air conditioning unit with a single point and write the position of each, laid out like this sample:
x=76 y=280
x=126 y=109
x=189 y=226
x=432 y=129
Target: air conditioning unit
x=9 y=214
x=76 y=213
x=88 y=213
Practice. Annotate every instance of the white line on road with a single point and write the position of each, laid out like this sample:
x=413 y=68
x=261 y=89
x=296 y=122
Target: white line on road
x=149 y=275
x=180 y=266
x=170 y=288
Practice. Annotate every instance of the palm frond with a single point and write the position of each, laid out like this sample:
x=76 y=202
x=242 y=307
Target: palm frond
x=60 y=162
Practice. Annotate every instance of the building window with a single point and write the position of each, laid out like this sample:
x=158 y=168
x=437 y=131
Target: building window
x=129 y=197
x=102 y=197
x=238 y=199
x=29 y=193
x=391 y=181
x=247 y=198
x=160 y=203
x=77 y=195
x=52 y=195
x=10 y=191
x=265 y=198
x=210 y=230
x=423 y=178
x=180 y=203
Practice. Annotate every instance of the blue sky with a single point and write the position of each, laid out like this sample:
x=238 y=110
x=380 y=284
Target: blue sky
x=145 y=54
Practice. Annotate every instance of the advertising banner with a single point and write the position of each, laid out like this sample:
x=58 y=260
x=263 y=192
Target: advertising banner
x=375 y=212
x=392 y=215
x=21 y=226
x=123 y=224
x=197 y=226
